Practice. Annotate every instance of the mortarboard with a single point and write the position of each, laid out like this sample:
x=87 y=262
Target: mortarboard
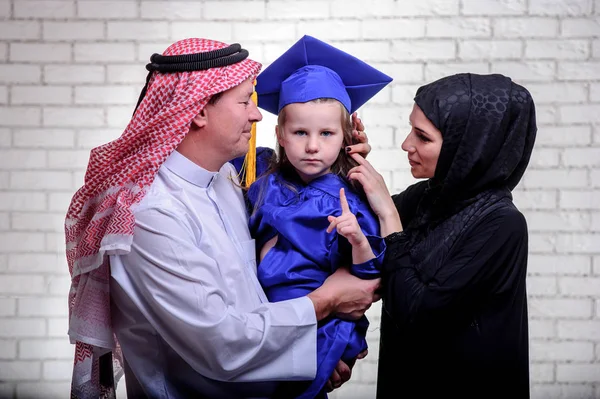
x=312 y=69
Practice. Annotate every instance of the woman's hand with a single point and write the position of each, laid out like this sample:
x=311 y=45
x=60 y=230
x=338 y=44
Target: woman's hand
x=359 y=137
x=377 y=194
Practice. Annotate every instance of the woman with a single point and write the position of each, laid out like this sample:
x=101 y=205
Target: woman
x=454 y=320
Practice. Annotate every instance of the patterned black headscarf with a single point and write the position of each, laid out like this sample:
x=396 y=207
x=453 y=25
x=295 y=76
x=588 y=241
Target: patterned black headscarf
x=488 y=128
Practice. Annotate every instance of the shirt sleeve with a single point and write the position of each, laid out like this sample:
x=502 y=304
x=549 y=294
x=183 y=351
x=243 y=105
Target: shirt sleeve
x=491 y=256
x=181 y=291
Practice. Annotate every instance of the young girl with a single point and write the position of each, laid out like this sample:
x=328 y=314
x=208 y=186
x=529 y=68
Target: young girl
x=307 y=219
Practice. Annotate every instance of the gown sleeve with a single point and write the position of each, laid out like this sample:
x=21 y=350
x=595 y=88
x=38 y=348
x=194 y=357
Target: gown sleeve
x=490 y=256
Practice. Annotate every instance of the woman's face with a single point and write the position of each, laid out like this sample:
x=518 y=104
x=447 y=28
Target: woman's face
x=423 y=145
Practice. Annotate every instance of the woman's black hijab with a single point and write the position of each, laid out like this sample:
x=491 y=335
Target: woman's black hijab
x=488 y=128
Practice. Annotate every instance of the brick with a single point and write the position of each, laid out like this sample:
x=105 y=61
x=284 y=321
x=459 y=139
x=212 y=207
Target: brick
x=544 y=158
x=585 y=71
x=127 y=73
x=8 y=350
x=490 y=49
x=4 y=221
x=20 y=370
x=20 y=30
x=404 y=94
x=558 y=391
x=72 y=30
x=458 y=27
x=525 y=27
x=5 y=11
x=557 y=49
x=560 y=308
x=371 y=52
x=244 y=10
x=557 y=221
x=559 y=136
x=439 y=70
x=3 y=95
x=579 y=286
x=104 y=52
x=589 y=199
x=575 y=265
x=59 y=285
x=221 y=31
x=530 y=71
x=493 y=8
x=595 y=92
x=555 y=178
x=4 y=180
x=424 y=50
x=578 y=243
x=17 y=73
x=171 y=10
x=73 y=117
x=297 y=10
x=596 y=48
x=423 y=8
x=381 y=137
x=542 y=286
x=37 y=222
x=582 y=157
x=393 y=28
x=42 y=306
x=541 y=372
x=561 y=351
x=27 y=95
x=68 y=159
x=118 y=117
x=20 y=116
x=5 y=138
x=106 y=95
x=58 y=327
x=48 y=349
x=44 y=9
x=535 y=199
x=145 y=50
x=35 y=52
x=595 y=222
x=19 y=242
x=560 y=8
x=134 y=30
x=43 y=138
x=557 y=92
x=45 y=389
x=73 y=74
x=8 y=307
x=580 y=27
x=90 y=138
x=40 y=180
x=3 y=51
x=541 y=242
x=577 y=372
x=107 y=9
x=22 y=159
x=581 y=113
x=57 y=370
x=40 y=263
x=541 y=329
x=11 y=328
x=22 y=201
x=579 y=329
x=271 y=31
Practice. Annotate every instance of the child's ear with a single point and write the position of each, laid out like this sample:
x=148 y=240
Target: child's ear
x=279 y=135
x=201 y=119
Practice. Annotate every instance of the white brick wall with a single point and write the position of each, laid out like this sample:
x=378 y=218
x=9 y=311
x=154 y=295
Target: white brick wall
x=71 y=71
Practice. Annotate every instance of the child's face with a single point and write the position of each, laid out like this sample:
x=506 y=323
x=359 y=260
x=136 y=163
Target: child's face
x=312 y=137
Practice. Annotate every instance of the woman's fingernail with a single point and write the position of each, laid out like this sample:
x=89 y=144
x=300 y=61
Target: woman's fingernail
x=348 y=149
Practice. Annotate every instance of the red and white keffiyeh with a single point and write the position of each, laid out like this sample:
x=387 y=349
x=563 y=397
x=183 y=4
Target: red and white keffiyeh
x=100 y=220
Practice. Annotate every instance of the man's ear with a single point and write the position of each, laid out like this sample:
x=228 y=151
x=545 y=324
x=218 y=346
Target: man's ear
x=201 y=119
x=279 y=135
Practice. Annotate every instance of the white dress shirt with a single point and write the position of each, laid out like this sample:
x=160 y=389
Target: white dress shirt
x=187 y=308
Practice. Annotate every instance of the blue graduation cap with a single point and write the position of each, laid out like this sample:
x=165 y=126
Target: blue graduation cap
x=313 y=69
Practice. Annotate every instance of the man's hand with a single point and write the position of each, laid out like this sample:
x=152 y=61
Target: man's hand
x=343 y=372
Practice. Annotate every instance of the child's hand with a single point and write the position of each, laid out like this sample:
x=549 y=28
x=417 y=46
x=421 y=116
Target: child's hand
x=346 y=224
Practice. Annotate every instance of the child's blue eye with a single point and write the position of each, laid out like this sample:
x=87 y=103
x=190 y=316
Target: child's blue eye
x=300 y=133
x=326 y=133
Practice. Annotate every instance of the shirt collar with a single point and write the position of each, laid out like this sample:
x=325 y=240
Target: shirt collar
x=188 y=170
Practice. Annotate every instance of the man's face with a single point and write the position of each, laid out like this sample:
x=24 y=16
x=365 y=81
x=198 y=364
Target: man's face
x=229 y=121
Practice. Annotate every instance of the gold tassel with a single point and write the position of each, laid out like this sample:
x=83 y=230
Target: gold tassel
x=249 y=167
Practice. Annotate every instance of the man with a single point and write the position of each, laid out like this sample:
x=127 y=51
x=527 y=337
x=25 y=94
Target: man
x=164 y=206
